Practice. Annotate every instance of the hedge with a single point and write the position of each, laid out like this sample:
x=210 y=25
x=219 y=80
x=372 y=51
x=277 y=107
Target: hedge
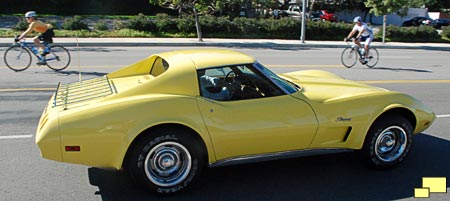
x=223 y=27
x=446 y=32
x=411 y=34
x=285 y=28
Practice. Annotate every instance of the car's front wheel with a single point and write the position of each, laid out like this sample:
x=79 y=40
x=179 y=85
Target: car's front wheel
x=388 y=142
x=166 y=161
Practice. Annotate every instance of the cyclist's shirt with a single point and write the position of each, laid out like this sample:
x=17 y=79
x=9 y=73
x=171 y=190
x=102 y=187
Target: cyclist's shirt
x=367 y=30
x=38 y=26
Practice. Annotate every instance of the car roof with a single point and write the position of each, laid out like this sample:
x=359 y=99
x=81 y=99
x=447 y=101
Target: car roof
x=204 y=58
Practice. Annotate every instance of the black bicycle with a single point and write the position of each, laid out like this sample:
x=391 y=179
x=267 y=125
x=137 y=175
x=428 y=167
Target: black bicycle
x=18 y=56
x=350 y=55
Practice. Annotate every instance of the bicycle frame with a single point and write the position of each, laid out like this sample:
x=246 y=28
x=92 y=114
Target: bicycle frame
x=30 y=45
x=355 y=47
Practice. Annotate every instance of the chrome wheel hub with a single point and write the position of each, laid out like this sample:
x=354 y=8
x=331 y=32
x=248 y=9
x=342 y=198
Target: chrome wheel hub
x=168 y=164
x=391 y=143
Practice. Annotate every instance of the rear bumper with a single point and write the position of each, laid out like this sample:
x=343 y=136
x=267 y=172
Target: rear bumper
x=47 y=134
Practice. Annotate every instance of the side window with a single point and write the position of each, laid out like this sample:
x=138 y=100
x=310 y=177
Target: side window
x=159 y=66
x=238 y=82
x=212 y=84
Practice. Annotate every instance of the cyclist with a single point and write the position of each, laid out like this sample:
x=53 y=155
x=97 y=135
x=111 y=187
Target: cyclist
x=45 y=30
x=365 y=34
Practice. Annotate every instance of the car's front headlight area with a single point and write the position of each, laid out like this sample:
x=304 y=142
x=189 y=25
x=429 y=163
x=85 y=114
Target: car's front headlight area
x=425 y=116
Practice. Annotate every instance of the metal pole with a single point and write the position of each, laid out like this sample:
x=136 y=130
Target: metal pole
x=384 y=27
x=302 y=36
x=78 y=53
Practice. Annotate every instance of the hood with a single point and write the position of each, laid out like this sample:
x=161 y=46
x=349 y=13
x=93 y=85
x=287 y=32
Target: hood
x=322 y=86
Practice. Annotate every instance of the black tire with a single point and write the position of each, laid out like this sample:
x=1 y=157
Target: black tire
x=388 y=142
x=166 y=161
x=372 y=57
x=349 y=57
x=17 y=58
x=58 y=58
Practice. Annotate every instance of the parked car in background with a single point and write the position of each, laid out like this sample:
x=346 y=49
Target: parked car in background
x=324 y=16
x=441 y=23
x=418 y=21
x=293 y=11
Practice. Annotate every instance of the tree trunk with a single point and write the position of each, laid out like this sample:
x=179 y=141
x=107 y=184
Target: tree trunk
x=311 y=7
x=249 y=9
x=197 y=26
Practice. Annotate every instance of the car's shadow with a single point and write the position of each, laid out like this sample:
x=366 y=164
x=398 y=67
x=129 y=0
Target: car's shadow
x=327 y=177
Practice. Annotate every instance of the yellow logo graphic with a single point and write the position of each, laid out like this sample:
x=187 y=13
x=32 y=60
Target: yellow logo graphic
x=431 y=185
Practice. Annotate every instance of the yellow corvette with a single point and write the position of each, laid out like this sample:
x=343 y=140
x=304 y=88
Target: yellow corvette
x=166 y=117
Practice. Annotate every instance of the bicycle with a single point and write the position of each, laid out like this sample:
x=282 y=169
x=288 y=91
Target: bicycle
x=18 y=56
x=350 y=55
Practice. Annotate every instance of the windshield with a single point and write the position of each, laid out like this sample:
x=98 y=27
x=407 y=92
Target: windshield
x=287 y=86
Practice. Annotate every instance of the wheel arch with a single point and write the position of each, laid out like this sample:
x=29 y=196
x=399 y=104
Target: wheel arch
x=404 y=112
x=153 y=129
x=373 y=152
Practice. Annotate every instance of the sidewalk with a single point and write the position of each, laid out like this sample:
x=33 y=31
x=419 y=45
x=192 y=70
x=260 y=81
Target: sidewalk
x=216 y=42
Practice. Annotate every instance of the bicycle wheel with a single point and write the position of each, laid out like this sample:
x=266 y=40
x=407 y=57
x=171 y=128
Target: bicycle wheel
x=17 y=58
x=349 y=57
x=372 y=57
x=58 y=58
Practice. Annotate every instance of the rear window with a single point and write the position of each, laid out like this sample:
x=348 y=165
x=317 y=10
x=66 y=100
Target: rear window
x=159 y=66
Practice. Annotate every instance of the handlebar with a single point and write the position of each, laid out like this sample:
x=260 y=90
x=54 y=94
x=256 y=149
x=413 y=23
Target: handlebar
x=17 y=40
x=347 y=39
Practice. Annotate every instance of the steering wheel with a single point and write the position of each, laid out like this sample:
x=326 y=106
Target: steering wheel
x=241 y=83
x=250 y=83
x=228 y=76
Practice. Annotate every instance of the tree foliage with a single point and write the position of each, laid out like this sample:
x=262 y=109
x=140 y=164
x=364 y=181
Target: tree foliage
x=432 y=5
x=79 y=7
x=388 y=6
x=351 y=4
x=187 y=6
x=231 y=8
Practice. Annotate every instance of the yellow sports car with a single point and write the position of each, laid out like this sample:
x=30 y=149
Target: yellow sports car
x=166 y=117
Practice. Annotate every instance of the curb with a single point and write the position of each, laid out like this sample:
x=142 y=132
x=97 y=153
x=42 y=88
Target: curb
x=247 y=44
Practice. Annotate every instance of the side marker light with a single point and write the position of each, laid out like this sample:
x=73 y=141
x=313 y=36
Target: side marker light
x=73 y=148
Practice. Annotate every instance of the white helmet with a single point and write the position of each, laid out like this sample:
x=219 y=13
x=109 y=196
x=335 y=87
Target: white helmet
x=357 y=19
x=30 y=14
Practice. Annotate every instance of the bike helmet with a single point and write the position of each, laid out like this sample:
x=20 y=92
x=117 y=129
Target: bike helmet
x=30 y=14
x=357 y=19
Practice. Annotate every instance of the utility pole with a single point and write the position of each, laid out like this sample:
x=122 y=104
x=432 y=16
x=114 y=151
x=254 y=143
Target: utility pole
x=302 y=35
x=384 y=27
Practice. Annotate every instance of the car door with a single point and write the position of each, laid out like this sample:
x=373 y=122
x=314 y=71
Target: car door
x=258 y=125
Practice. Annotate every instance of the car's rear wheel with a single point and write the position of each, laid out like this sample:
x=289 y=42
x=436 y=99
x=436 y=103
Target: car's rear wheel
x=388 y=141
x=166 y=161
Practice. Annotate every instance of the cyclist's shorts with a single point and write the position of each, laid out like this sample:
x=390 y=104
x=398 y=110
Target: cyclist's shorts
x=47 y=36
x=367 y=39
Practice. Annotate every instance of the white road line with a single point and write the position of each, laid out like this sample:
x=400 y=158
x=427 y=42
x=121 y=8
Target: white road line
x=443 y=116
x=15 y=137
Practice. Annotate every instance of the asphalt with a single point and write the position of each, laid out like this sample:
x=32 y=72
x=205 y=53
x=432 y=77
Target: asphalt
x=218 y=42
